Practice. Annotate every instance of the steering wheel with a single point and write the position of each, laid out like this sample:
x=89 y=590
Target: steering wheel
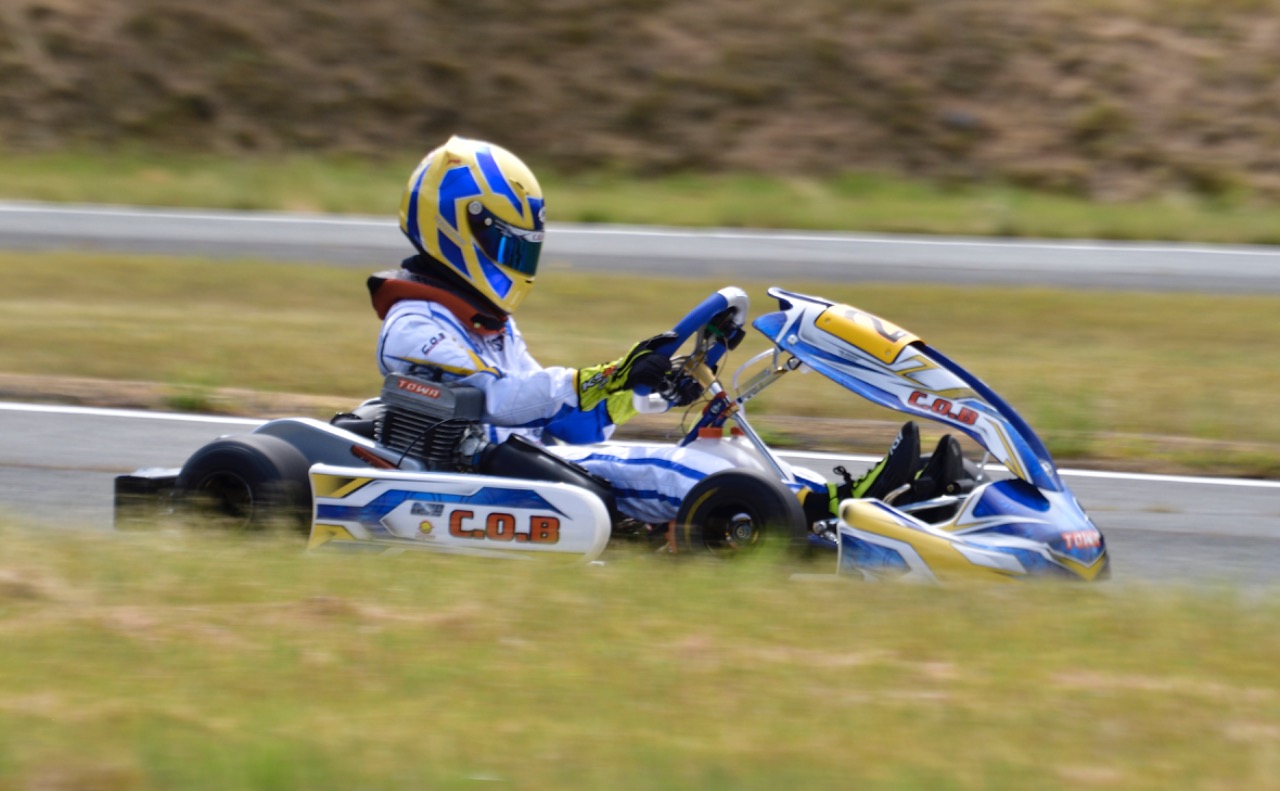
x=717 y=322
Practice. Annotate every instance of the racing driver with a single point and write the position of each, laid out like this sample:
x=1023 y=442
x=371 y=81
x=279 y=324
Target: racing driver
x=475 y=214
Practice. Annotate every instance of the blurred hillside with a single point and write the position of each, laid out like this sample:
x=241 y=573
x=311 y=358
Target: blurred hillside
x=1108 y=98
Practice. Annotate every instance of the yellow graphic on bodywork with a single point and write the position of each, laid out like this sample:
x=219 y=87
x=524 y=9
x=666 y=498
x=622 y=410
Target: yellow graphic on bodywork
x=1009 y=457
x=1087 y=573
x=871 y=334
x=478 y=366
x=923 y=365
x=945 y=561
x=323 y=534
x=336 y=485
x=940 y=552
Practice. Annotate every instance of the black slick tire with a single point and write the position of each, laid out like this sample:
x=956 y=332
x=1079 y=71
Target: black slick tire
x=251 y=482
x=736 y=513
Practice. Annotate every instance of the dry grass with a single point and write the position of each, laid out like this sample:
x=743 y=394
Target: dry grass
x=1109 y=98
x=863 y=202
x=175 y=660
x=1102 y=376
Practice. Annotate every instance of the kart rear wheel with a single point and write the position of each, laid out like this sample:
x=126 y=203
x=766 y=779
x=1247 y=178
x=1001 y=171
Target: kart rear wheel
x=738 y=512
x=247 y=483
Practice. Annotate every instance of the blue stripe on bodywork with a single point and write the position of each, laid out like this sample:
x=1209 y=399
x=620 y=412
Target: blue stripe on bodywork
x=857 y=554
x=1043 y=475
x=372 y=514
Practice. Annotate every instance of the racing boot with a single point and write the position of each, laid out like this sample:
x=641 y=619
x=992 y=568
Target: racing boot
x=942 y=474
x=896 y=469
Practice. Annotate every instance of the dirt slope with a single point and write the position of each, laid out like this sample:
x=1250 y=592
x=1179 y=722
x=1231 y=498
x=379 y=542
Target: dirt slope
x=1105 y=97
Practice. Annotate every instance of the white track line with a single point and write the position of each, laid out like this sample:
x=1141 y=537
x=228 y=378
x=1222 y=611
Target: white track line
x=141 y=414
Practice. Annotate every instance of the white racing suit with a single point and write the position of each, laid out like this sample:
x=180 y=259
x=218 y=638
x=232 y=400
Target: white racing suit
x=521 y=396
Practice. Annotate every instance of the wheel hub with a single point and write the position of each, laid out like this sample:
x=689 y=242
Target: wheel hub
x=741 y=529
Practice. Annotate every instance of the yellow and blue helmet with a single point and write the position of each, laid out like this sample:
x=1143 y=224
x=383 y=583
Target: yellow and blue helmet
x=477 y=210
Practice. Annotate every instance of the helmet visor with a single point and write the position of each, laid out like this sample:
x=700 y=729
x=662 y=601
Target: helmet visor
x=505 y=244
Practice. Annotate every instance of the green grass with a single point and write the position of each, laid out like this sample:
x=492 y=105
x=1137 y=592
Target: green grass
x=141 y=177
x=173 y=660
x=858 y=202
x=1102 y=376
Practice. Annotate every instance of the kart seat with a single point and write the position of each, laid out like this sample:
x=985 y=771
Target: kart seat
x=519 y=457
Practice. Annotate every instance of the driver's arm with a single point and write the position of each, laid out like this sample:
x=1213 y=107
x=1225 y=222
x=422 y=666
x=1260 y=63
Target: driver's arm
x=518 y=391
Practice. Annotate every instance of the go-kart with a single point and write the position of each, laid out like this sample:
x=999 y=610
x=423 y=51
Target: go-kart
x=412 y=470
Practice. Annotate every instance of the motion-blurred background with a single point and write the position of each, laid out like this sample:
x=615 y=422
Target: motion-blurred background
x=178 y=660
x=1110 y=99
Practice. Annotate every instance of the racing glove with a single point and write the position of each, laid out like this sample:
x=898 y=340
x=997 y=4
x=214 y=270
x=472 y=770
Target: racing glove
x=643 y=365
x=678 y=389
x=681 y=389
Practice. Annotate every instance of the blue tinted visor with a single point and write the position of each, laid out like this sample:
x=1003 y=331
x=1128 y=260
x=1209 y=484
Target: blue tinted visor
x=506 y=244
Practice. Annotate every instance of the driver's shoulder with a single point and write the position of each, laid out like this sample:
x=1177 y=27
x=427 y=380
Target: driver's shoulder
x=422 y=310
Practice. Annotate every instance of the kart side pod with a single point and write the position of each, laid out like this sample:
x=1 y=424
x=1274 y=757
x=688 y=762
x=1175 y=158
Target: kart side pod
x=874 y=536
x=878 y=541
x=360 y=508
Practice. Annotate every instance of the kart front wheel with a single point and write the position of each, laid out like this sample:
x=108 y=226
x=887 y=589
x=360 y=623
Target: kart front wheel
x=247 y=483
x=738 y=512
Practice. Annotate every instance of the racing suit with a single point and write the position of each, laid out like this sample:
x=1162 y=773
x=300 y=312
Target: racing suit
x=429 y=328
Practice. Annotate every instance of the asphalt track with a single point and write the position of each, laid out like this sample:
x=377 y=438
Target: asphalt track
x=57 y=463
x=786 y=257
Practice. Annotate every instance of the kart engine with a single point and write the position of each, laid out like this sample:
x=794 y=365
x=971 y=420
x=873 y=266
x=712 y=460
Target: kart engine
x=427 y=420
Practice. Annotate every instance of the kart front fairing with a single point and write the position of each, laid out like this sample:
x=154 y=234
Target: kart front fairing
x=1030 y=525
x=1005 y=529
x=895 y=369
